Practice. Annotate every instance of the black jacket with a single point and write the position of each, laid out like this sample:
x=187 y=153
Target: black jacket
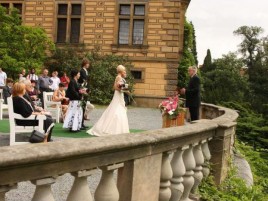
x=193 y=92
x=73 y=91
x=6 y=93
x=83 y=76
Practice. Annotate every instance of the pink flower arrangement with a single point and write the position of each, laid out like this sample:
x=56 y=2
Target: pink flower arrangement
x=171 y=107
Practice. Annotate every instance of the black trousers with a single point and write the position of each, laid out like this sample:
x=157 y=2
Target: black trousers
x=194 y=113
x=47 y=122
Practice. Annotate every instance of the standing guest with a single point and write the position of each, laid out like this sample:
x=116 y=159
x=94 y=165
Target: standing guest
x=74 y=115
x=32 y=76
x=44 y=83
x=59 y=96
x=23 y=72
x=83 y=80
x=192 y=93
x=114 y=119
x=22 y=75
x=55 y=81
x=24 y=108
x=65 y=80
x=3 y=77
x=84 y=73
x=7 y=90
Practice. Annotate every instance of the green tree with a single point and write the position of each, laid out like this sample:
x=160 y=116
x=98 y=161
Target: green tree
x=250 y=45
x=194 y=51
x=207 y=65
x=254 y=49
x=224 y=82
x=187 y=58
x=21 y=46
x=66 y=58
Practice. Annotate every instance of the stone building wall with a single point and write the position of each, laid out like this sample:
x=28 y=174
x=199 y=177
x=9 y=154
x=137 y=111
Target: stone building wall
x=156 y=59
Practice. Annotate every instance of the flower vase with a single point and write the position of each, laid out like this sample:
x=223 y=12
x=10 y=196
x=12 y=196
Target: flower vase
x=178 y=121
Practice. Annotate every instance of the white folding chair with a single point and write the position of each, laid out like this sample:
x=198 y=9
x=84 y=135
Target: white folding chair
x=14 y=129
x=2 y=105
x=51 y=106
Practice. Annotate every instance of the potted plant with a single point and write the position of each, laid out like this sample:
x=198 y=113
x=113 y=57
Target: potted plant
x=173 y=112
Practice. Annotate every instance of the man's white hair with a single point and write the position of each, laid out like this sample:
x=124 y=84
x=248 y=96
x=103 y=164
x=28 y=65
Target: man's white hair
x=194 y=68
x=25 y=81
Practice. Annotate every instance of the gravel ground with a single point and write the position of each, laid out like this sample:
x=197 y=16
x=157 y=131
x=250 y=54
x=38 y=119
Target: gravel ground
x=139 y=118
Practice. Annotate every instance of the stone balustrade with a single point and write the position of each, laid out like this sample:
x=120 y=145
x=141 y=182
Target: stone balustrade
x=164 y=164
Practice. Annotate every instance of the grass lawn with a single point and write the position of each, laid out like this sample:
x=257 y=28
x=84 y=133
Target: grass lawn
x=58 y=131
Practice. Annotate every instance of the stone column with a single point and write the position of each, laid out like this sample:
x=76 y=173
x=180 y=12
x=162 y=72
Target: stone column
x=139 y=179
x=43 y=189
x=107 y=189
x=179 y=170
x=5 y=189
x=199 y=159
x=166 y=175
x=188 y=179
x=221 y=147
x=80 y=189
x=207 y=157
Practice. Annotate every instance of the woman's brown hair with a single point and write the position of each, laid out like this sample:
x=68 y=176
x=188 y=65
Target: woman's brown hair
x=18 y=89
x=84 y=62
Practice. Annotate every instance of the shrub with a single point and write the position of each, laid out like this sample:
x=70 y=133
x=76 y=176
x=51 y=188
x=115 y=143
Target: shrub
x=102 y=72
x=234 y=188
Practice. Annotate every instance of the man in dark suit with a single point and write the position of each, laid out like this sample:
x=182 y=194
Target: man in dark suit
x=83 y=81
x=192 y=93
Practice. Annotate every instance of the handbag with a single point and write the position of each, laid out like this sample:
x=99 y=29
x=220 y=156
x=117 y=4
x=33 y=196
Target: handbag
x=37 y=136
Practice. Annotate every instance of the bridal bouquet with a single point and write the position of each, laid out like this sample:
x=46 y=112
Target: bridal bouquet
x=171 y=107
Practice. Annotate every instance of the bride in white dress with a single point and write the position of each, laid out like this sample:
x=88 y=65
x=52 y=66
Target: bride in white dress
x=114 y=119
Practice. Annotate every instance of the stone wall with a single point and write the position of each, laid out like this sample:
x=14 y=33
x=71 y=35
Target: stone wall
x=164 y=164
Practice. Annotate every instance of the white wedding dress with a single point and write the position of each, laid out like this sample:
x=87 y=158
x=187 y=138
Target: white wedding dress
x=114 y=119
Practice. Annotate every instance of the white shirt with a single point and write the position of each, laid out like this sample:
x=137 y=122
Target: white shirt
x=3 y=77
x=55 y=85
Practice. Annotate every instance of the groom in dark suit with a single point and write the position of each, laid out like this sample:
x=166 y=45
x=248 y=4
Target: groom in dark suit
x=83 y=81
x=192 y=93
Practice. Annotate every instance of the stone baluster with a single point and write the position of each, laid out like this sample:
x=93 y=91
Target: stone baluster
x=166 y=175
x=207 y=157
x=188 y=179
x=107 y=189
x=5 y=189
x=199 y=160
x=80 y=189
x=179 y=170
x=43 y=189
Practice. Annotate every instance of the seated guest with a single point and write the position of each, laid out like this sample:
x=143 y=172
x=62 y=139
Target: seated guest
x=7 y=90
x=35 y=101
x=59 y=96
x=65 y=80
x=23 y=107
